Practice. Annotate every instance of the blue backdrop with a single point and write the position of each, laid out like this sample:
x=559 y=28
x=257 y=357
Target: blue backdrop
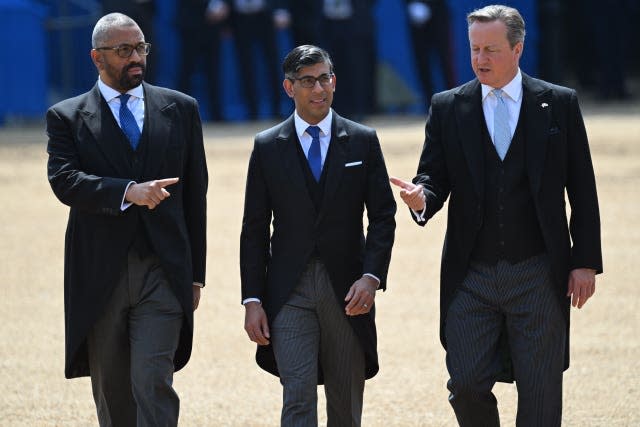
x=46 y=47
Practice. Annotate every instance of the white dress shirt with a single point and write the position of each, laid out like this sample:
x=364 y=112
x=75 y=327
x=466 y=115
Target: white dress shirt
x=135 y=104
x=305 y=141
x=512 y=95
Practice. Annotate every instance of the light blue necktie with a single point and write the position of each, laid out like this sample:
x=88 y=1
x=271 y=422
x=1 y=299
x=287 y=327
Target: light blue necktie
x=501 y=129
x=128 y=122
x=314 y=157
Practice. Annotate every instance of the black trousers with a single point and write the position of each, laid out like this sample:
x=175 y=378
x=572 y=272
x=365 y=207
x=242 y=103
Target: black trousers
x=251 y=30
x=519 y=300
x=201 y=45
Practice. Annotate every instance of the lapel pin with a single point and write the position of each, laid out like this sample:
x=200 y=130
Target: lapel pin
x=544 y=105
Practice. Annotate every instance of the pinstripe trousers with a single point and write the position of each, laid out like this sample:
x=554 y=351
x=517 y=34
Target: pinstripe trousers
x=310 y=328
x=519 y=300
x=131 y=349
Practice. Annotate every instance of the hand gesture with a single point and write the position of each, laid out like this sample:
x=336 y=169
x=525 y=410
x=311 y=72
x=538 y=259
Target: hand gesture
x=412 y=195
x=149 y=193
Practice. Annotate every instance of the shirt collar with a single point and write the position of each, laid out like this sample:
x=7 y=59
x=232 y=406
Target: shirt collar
x=109 y=93
x=513 y=89
x=324 y=124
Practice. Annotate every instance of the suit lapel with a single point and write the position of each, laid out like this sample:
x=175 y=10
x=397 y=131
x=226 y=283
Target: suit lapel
x=537 y=107
x=470 y=122
x=286 y=142
x=98 y=118
x=159 y=116
x=334 y=163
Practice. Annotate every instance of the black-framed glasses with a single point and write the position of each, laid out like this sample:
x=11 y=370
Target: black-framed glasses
x=310 y=81
x=126 y=50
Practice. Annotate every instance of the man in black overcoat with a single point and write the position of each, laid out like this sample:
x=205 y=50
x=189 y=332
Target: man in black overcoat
x=309 y=283
x=505 y=148
x=128 y=159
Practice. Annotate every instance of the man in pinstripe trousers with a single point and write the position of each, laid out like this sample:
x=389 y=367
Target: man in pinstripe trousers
x=308 y=286
x=504 y=148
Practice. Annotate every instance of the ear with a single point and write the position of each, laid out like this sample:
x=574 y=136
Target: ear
x=288 y=87
x=518 y=48
x=97 y=58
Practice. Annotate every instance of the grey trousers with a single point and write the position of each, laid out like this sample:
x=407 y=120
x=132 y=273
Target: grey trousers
x=517 y=299
x=310 y=328
x=131 y=349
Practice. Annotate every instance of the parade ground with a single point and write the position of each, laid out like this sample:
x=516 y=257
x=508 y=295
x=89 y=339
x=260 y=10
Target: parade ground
x=222 y=385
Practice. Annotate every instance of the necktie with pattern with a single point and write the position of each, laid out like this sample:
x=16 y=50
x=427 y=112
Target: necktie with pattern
x=128 y=122
x=501 y=129
x=314 y=157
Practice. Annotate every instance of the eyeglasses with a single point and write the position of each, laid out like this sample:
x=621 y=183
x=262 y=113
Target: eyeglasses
x=126 y=50
x=310 y=81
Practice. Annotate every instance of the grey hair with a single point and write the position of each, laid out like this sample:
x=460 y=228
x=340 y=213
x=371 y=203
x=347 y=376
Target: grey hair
x=505 y=14
x=106 y=24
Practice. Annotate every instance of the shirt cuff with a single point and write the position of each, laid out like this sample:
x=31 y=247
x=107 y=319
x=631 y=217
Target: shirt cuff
x=124 y=204
x=246 y=300
x=374 y=277
x=419 y=215
x=198 y=284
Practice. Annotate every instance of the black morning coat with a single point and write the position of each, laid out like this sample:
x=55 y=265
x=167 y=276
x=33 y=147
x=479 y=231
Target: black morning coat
x=557 y=161
x=89 y=168
x=271 y=263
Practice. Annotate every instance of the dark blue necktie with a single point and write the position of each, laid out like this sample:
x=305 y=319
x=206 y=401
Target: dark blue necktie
x=314 y=157
x=128 y=122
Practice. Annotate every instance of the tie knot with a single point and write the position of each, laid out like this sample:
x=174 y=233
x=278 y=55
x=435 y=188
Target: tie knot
x=498 y=93
x=124 y=98
x=314 y=131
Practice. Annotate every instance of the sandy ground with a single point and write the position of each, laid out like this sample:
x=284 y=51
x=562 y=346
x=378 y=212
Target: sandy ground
x=222 y=386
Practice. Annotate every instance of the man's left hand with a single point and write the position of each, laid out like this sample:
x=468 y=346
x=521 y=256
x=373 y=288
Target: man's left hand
x=196 y=296
x=361 y=296
x=582 y=285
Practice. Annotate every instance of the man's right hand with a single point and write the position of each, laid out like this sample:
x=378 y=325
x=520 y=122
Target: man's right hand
x=412 y=195
x=255 y=323
x=149 y=193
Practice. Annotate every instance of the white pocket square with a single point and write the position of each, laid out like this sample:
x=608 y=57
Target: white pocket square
x=348 y=165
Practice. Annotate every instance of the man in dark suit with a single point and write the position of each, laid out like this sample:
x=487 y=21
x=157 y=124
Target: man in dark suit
x=309 y=286
x=304 y=18
x=430 y=30
x=134 y=253
x=253 y=24
x=504 y=148
x=349 y=33
x=200 y=24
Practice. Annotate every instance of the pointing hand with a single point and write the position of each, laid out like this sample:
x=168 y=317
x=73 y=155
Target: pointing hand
x=149 y=193
x=412 y=195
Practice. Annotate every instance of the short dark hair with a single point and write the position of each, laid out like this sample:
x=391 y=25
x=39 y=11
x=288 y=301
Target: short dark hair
x=305 y=56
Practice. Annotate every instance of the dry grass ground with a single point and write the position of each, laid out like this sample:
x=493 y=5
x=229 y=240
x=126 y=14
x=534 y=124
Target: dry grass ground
x=222 y=386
